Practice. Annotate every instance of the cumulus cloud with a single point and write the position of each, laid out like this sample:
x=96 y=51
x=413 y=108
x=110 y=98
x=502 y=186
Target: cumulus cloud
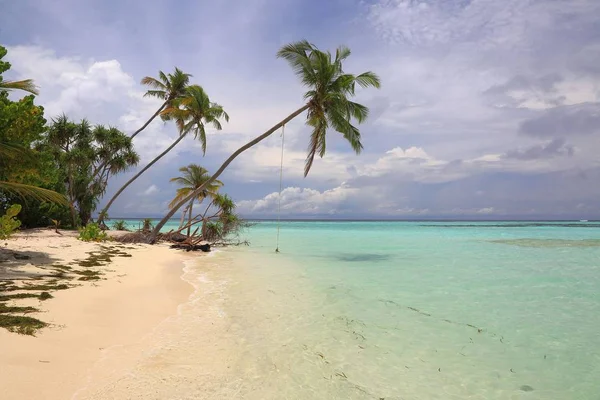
x=100 y=91
x=303 y=201
x=486 y=105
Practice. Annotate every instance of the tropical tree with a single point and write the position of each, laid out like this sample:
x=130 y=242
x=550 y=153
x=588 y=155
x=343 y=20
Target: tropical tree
x=190 y=114
x=89 y=155
x=21 y=124
x=168 y=87
x=328 y=105
x=219 y=221
x=194 y=176
x=193 y=111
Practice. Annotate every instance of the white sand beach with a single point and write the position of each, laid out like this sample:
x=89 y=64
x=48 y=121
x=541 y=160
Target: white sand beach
x=136 y=291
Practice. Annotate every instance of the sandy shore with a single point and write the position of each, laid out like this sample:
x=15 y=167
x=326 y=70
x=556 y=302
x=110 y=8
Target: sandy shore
x=119 y=294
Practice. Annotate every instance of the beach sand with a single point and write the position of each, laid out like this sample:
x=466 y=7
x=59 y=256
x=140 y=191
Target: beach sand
x=140 y=287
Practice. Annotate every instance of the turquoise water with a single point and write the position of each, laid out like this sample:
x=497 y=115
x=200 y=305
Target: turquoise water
x=412 y=310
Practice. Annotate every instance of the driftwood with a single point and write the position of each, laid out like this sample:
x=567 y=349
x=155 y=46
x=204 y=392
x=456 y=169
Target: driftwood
x=194 y=247
x=179 y=241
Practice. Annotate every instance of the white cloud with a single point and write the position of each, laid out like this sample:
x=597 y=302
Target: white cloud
x=296 y=200
x=152 y=189
x=100 y=91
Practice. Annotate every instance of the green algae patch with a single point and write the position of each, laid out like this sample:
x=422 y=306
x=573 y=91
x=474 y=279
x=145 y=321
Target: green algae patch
x=20 y=324
x=4 y=309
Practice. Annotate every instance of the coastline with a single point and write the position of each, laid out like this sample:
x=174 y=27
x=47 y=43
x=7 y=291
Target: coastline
x=136 y=292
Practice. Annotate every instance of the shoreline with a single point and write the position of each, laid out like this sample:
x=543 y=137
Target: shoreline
x=139 y=289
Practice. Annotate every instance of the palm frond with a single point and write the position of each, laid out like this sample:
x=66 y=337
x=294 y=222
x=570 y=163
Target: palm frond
x=153 y=83
x=29 y=191
x=367 y=79
x=27 y=85
x=201 y=134
x=342 y=53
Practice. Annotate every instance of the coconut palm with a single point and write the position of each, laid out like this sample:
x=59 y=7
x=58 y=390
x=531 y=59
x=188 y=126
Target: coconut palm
x=193 y=111
x=327 y=104
x=190 y=113
x=193 y=177
x=168 y=87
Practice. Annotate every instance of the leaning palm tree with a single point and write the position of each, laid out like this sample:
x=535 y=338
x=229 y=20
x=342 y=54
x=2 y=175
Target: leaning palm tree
x=327 y=104
x=190 y=113
x=168 y=87
x=194 y=176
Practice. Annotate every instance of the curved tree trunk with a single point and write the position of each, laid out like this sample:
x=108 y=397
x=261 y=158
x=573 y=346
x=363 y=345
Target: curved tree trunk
x=239 y=151
x=101 y=167
x=150 y=120
x=190 y=216
x=104 y=211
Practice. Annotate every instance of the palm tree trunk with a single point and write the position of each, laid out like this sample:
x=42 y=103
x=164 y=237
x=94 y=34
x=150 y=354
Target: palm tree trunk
x=190 y=216
x=104 y=211
x=71 y=197
x=103 y=165
x=239 y=151
x=150 y=120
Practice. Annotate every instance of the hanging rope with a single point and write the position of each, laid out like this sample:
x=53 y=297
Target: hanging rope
x=280 y=188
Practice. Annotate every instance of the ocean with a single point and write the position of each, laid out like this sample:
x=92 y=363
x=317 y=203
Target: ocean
x=387 y=310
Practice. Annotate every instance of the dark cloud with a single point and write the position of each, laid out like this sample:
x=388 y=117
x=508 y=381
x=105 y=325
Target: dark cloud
x=542 y=89
x=555 y=148
x=545 y=83
x=579 y=119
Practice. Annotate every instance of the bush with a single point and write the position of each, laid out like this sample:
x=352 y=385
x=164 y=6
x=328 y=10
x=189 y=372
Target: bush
x=92 y=233
x=120 y=225
x=9 y=222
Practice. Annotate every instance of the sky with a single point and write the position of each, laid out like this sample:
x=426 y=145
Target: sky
x=489 y=109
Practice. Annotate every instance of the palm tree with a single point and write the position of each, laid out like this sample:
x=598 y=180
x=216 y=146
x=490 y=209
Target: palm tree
x=168 y=87
x=193 y=177
x=190 y=113
x=327 y=105
x=193 y=111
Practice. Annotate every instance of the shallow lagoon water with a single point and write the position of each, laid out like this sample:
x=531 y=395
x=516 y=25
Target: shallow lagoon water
x=404 y=310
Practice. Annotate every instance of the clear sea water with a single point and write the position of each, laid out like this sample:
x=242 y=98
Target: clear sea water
x=395 y=310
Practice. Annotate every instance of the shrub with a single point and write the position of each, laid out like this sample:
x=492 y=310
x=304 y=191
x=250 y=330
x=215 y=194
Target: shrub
x=92 y=233
x=9 y=222
x=120 y=225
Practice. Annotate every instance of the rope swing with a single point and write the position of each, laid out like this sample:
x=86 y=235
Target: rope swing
x=280 y=188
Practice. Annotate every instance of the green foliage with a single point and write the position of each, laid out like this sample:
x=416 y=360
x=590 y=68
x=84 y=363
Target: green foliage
x=328 y=96
x=120 y=225
x=192 y=111
x=9 y=222
x=92 y=233
x=193 y=176
x=27 y=174
x=89 y=156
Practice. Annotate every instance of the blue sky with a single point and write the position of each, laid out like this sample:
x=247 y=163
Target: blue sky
x=489 y=108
